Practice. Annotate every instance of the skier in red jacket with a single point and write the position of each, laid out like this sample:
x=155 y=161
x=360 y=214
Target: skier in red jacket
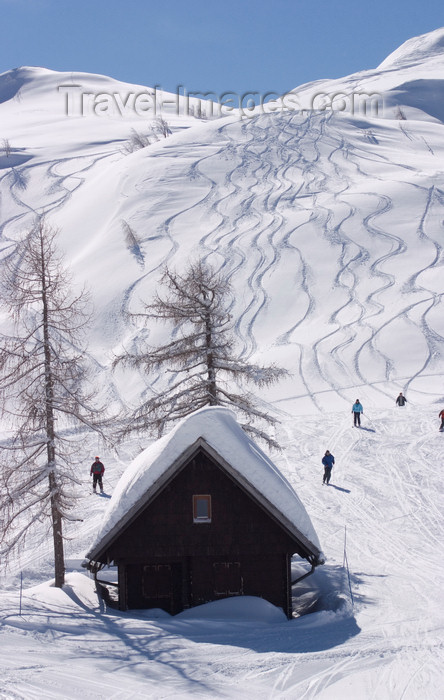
x=97 y=471
x=441 y=415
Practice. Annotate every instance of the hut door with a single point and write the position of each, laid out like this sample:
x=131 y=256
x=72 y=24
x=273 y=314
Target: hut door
x=161 y=587
x=157 y=581
x=227 y=578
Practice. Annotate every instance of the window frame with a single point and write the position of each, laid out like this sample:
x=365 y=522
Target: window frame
x=202 y=497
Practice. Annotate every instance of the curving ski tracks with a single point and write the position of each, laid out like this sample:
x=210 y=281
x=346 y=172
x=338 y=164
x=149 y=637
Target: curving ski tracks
x=304 y=215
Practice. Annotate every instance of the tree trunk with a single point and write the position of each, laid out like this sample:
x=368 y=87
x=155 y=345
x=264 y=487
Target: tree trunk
x=57 y=534
x=54 y=488
x=211 y=372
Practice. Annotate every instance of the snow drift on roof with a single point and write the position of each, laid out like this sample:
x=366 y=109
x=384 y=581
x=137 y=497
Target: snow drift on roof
x=220 y=430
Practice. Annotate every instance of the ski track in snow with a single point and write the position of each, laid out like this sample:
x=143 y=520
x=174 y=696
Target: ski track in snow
x=262 y=153
x=16 y=181
x=266 y=186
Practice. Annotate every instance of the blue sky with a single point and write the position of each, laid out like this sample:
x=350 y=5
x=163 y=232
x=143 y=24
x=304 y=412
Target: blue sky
x=211 y=46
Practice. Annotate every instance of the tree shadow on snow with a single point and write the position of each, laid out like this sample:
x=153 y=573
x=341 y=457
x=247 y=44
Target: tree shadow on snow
x=323 y=619
x=134 y=643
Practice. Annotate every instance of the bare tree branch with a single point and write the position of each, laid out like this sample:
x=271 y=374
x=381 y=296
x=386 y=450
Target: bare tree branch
x=201 y=355
x=42 y=391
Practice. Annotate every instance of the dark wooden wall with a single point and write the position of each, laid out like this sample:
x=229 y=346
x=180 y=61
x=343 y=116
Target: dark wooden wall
x=166 y=560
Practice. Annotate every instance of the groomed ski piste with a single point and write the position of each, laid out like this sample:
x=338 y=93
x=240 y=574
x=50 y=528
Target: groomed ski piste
x=329 y=226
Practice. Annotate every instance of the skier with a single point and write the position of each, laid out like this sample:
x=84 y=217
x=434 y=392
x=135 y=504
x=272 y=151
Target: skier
x=357 y=410
x=97 y=471
x=327 y=460
x=401 y=400
x=441 y=415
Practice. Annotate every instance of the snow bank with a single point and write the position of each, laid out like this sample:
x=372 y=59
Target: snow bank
x=242 y=609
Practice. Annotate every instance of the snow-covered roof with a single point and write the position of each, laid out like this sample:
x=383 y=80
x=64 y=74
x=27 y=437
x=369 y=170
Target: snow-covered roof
x=216 y=430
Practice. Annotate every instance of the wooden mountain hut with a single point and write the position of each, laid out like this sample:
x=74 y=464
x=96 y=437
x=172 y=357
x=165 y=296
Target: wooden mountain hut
x=203 y=514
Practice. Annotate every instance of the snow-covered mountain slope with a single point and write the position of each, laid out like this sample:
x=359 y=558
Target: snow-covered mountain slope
x=328 y=223
x=330 y=227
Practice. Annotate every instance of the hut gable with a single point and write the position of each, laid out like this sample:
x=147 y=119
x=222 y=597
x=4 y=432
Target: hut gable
x=200 y=514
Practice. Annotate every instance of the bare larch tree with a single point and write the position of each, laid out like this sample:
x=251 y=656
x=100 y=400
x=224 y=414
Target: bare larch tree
x=42 y=391
x=201 y=357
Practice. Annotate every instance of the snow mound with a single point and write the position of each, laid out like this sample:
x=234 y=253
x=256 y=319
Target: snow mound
x=78 y=589
x=239 y=609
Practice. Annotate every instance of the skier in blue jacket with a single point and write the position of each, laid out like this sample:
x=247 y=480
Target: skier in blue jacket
x=327 y=460
x=357 y=410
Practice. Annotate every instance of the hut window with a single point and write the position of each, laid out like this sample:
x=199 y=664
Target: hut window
x=202 y=509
